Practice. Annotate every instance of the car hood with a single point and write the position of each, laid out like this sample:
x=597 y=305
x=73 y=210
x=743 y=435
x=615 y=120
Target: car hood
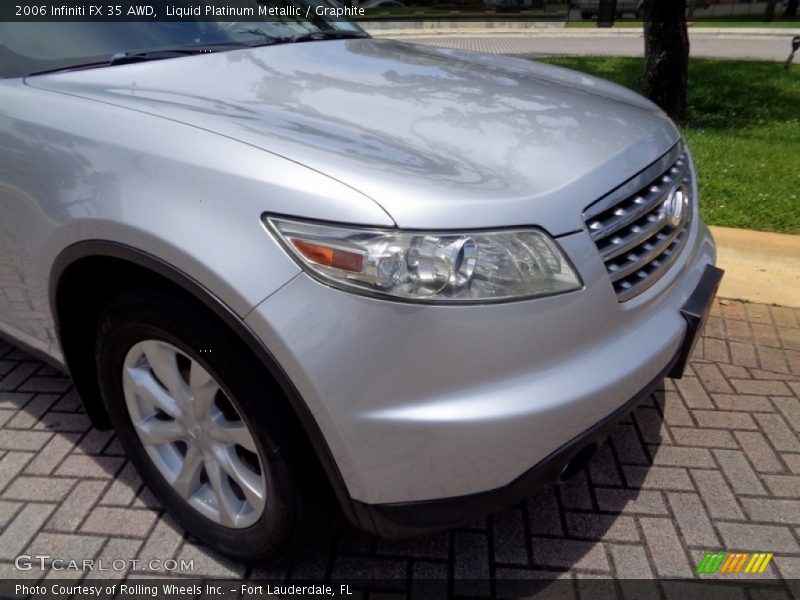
x=438 y=138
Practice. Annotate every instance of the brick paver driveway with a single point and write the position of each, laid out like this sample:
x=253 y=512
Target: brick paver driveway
x=710 y=463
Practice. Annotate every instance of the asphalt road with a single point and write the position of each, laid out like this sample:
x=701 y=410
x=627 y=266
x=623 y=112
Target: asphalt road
x=560 y=43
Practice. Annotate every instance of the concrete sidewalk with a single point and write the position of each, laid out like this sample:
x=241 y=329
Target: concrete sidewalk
x=759 y=267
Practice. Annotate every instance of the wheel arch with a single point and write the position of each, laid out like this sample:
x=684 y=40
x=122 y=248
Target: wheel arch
x=76 y=303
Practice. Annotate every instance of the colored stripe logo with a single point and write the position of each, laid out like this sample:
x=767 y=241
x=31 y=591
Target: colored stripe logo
x=735 y=562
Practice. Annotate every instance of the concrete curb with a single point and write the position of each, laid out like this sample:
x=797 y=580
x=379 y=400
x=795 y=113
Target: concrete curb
x=727 y=32
x=759 y=267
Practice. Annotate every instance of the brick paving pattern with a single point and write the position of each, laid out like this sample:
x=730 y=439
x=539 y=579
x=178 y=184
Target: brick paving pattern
x=708 y=463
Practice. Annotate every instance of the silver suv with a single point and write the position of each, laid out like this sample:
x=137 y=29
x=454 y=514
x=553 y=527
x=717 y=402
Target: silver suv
x=289 y=263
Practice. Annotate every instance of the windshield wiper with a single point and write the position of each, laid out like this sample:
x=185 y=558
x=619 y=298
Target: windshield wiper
x=124 y=58
x=307 y=37
x=329 y=35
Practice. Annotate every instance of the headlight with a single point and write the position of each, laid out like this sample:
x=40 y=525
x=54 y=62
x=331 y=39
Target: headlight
x=420 y=266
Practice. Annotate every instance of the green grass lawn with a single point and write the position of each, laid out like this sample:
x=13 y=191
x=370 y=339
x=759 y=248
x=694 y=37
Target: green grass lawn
x=744 y=131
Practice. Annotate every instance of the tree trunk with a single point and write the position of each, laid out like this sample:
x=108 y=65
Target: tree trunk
x=769 y=13
x=666 y=53
x=791 y=9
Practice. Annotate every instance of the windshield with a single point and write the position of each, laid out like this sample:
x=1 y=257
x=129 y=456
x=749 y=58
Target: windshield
x=32 y=47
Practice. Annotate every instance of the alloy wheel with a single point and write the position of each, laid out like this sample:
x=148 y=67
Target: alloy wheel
x=194 y=434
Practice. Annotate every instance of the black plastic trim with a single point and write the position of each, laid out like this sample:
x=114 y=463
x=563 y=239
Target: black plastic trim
x=695 y=311
x=107 y=249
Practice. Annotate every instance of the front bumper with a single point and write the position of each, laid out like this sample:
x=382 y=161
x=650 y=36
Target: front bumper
x=399 y=520
x=424 y=403
x=411 y=518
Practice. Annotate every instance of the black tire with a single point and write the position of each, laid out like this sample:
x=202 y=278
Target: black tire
x=298 y=507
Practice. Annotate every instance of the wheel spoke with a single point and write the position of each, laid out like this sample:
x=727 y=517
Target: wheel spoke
x=188 y=480
x=142 y=384
x=252 y=484
x=230 y=432
x=163 y=360
x=227 y=503
x=204 y=390
x=153 y=431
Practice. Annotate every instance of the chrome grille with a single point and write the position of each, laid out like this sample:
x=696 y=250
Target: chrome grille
x=631 y=227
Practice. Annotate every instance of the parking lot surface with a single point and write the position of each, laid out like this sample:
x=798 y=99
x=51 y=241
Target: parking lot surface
x=709 y=463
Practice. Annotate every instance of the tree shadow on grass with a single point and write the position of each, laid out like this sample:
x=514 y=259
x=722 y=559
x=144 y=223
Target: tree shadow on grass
x=722 y=94
x=740 y=94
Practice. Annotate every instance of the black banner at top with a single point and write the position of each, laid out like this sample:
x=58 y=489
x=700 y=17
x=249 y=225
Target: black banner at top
x=170 y=10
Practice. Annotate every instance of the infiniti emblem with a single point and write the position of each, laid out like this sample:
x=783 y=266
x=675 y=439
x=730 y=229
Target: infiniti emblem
x=676 y=206
x=195 y=433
